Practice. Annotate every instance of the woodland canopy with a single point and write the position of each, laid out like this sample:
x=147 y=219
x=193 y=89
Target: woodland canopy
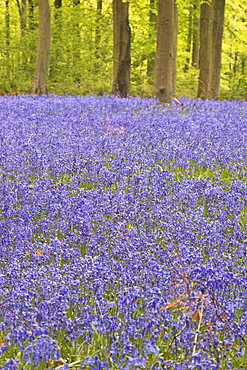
x=82 y=46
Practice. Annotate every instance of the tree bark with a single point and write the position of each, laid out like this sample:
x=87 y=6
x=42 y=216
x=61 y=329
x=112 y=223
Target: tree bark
x=98 y=32
x=57 y=30
x=195 y=36
x=205 y=54
x=121 y=30
x=7 y=38
x=58 y=4
x=7 y=25
x=164 y=50
x=174 y=56
x=189 y=40
x=152 y=30
x=44 y=45
x=217 y=34
x=98 y=19
x=22 y=8
x=32 y=23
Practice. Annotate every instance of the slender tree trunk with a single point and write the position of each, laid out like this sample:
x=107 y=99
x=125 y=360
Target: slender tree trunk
x=195 y=41
x=189 y=40
x=174 y=57
x=164 y=50
x=32 y=23
x=58 y=4
x=57 y=29
x=205 y=54
x=98 y=34
x=24 y=51
x=32 y=26
x=243 y=60
x=121 y=30
x=44 y=44
x=7 y=25
x=22 y=8
x=235 y=64
x=76 y=45
x=7 y=38
x=98 y=19
x=152 y=30
x=58 y=14
x=217 y=34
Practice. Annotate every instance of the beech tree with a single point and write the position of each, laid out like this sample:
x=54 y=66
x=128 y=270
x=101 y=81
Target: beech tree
x=57 y=27
x=121 y=31
x=58 y=4
x=7 y=36
x=174 y=55
x=195 y=31
x=98 y=19
x=192 y=41
x=152 y=30
x=31 y=16
x=44 y=46
x=81 y=59
x=22 y=8
x=164 y=61
x=217 y=33
x=205 y=53
x=211 y=32
x=189 y=39
x=98 y=32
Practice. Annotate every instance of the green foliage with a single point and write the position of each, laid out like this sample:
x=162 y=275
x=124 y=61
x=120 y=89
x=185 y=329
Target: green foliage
x=234 y=56
x=81 y=59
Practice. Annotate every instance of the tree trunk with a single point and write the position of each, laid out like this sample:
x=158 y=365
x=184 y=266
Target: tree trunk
x=7 y=25
x=57 y=30
x=22 y=8
x=217 y=34
x=189 y=40
x=205 y=54
x=152 y=30
x=98 y=33
x=98 y=19
x=235 y=64
x=76 y=45
x=32 y=23
x=24 y=55
x=44 y=44
x=243 y=60
x=195 y=38
x=174 y=57
x=164 y=50
x=58 y=4
x=7 y=37
x=121 y=30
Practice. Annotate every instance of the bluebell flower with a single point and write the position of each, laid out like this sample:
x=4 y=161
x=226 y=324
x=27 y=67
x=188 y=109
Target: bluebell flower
x=132 y=362
x=11 y=365
x=42 y=350
x=124 y=218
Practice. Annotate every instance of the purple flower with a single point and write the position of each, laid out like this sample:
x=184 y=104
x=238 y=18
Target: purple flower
x=123 y=227
x=42 y=350
x=11 y=365
x=132 y=362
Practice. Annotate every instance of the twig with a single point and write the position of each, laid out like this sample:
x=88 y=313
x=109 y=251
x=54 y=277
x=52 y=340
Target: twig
x=29 y=138
x=174 y=337
x=215 y=300
x=198 y=328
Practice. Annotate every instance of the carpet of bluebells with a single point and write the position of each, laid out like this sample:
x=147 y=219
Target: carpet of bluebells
x=123 y=233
